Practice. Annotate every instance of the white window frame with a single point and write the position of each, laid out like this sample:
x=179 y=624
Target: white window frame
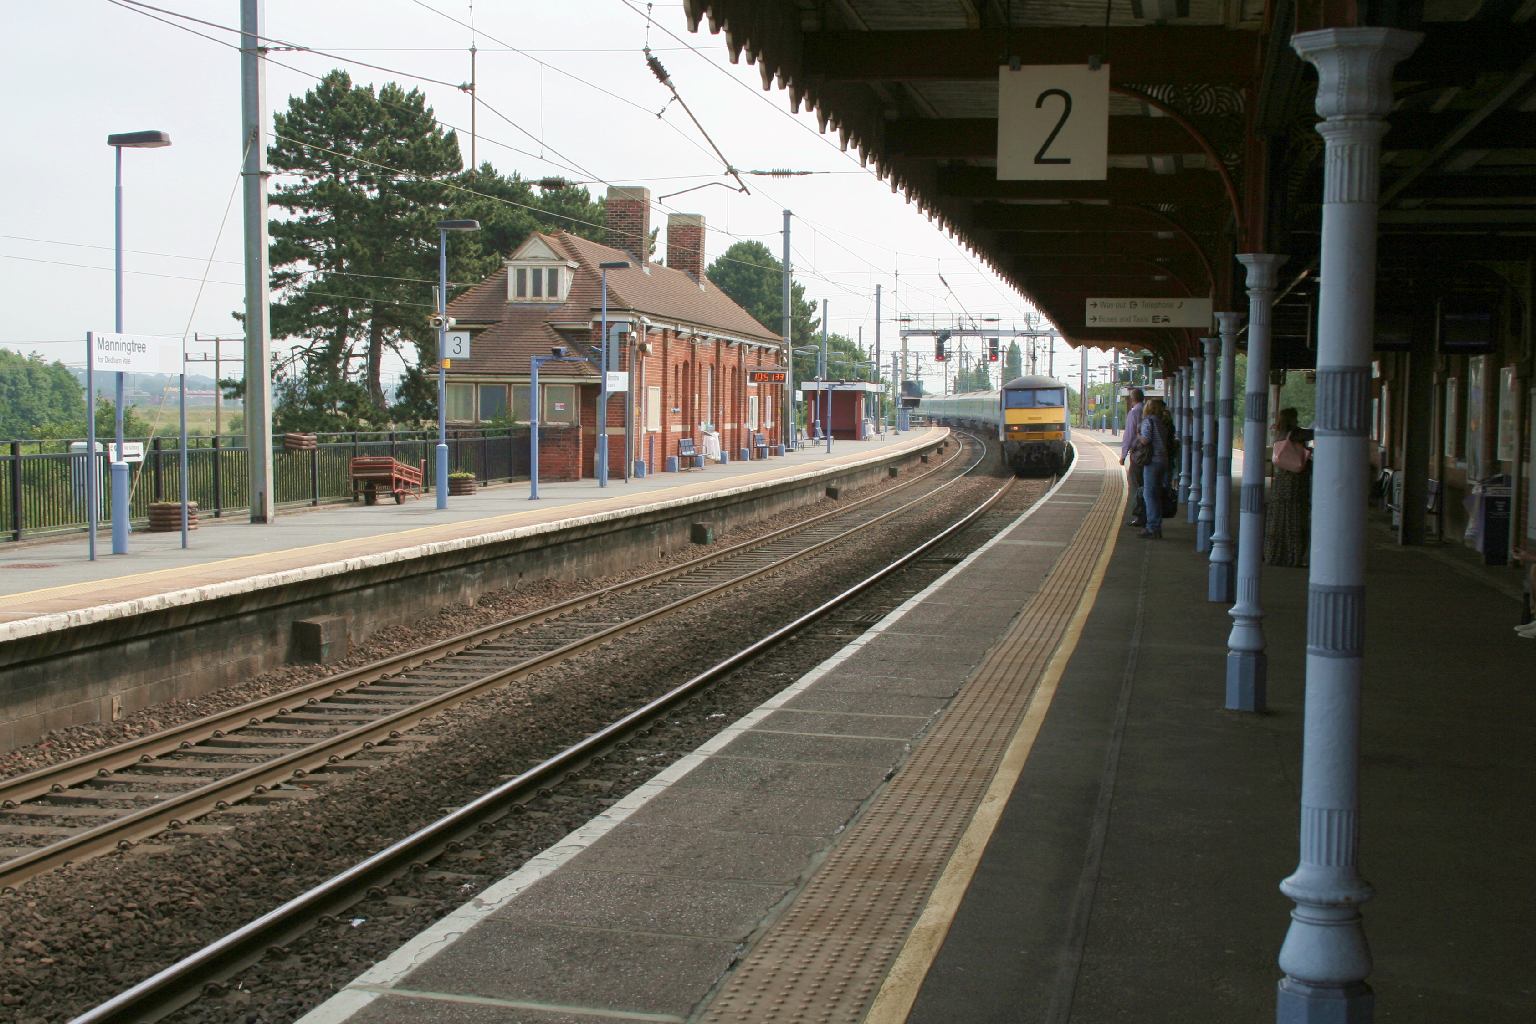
x=539 y=270
x=751 y=412
x=653 y=408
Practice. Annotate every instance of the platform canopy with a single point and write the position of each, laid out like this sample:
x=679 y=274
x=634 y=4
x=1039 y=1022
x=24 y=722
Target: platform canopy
x=1211 y=148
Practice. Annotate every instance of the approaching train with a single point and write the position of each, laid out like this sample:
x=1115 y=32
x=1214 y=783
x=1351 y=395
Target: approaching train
x=1029 y=416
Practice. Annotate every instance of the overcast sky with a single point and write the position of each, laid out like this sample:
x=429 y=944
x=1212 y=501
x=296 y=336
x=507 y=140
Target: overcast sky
x=76 y=70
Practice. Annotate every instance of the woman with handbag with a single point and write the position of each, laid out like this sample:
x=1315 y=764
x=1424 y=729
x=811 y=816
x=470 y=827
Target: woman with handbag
x=1289 y=506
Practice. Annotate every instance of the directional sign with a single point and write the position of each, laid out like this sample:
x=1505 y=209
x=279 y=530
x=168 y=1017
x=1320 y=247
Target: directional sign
x=136 y=353
x=456 y=345
x=133 y=451
x=1151 y=312
x=1053 y=123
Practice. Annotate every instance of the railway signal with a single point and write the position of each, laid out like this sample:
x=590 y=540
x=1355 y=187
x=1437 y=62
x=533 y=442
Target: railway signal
x=991 y=350
x=940 y=340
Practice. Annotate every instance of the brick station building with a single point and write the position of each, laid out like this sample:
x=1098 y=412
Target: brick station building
x=689 y=344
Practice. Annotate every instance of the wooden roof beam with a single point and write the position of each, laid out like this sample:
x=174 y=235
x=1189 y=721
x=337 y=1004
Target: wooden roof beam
x=976 y=137
x=1139 y=55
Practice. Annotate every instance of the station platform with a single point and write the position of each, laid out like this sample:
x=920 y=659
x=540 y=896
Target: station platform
x=1017 y=798
x=50 y=584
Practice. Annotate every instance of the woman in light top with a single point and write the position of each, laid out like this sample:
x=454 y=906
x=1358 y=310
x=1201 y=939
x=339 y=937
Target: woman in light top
x=1154 y=475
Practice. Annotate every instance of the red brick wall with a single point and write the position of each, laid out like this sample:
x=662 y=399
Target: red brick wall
x=677 y=366
x=685 y=243
x=627 y=212
x=559 y=453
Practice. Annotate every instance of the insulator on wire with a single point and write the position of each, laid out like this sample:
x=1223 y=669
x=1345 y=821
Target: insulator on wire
x=657 y=70
x=552 y=183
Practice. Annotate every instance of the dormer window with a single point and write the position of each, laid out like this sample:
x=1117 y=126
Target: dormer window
x=540 y=284
x=537 y=274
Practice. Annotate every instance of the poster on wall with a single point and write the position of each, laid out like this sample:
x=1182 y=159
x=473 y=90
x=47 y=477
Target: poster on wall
x=1508 y=449
x=1452 y=416
x=1474 y=449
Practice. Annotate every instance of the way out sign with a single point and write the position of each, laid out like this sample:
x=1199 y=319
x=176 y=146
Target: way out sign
x=1052 y=123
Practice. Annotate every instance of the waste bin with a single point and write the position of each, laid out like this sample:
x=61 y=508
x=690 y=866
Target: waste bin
x=1495 y=495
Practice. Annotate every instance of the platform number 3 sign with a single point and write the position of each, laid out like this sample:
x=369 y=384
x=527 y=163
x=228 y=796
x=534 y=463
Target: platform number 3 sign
x=1052 y=123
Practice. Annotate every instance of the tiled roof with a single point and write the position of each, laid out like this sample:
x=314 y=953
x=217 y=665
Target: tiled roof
x=517 y=331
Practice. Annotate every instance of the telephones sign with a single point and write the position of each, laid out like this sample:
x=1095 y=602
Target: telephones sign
x=1053 y=123
x=766 y=377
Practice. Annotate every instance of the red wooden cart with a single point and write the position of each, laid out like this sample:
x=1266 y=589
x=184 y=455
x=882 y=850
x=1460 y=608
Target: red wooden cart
x=372 y=473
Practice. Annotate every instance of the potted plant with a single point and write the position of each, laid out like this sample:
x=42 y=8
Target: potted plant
x=461 y=481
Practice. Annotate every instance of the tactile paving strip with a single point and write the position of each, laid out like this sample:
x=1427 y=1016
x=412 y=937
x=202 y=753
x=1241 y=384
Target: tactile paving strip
x=825 y=959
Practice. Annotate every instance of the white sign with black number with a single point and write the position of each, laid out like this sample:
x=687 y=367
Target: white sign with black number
x=456 y=345
x=1053 y=123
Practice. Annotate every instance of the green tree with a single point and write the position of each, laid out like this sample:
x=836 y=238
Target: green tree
x=365 y=180
x=38 y=398
x=754 y=278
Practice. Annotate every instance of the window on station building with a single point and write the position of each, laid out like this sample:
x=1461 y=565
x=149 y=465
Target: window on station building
x=493 y=402
x=559 y=404
x=520 y=403
x=538 y=274
x=653 y=408
x=461 y=403
x=751 y=412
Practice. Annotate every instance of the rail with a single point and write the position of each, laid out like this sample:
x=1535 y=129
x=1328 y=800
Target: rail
x=178 y=984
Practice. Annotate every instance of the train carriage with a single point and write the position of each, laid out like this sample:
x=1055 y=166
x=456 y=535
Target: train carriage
x=1028 y=416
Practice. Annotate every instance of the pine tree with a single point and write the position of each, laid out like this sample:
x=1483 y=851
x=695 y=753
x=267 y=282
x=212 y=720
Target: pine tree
x=1013 y=365
x=754 y=278
x=365 y=179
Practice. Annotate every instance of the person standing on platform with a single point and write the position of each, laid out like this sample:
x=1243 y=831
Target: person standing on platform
x=1152 y=439
x=1289 y=506
x=1528 y=556
x=1133 y=417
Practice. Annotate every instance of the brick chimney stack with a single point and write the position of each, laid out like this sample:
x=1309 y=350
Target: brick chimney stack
x=627 y=209
x=685 y=244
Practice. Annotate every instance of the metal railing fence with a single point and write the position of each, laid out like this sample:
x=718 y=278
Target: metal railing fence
x=43 y=483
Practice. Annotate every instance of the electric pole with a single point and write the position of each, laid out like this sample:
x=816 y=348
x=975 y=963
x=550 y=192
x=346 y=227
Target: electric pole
x=258 y=338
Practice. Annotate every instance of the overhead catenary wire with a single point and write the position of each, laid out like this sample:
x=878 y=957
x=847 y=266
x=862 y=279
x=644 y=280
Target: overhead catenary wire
x=807 y=270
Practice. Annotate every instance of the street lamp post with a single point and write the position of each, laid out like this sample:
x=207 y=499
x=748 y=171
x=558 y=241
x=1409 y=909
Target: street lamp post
x=601 y=454
x=826 y=404
x=119 y=470
x=440 y=481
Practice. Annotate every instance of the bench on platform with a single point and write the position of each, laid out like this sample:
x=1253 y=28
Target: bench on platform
x=372 y=473
x=759 y=446
x=688 y=456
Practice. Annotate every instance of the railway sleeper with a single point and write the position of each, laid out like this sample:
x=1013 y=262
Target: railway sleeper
x=126 y=779
x=247 y=739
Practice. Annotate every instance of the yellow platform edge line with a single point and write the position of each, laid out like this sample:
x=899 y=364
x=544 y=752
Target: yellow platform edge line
x=902 y=983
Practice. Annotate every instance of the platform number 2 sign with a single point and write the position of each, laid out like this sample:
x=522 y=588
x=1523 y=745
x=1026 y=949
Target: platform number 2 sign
x=1052 y=123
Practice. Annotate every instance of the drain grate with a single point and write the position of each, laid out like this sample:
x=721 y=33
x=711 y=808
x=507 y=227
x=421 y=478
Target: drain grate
x=30 y=565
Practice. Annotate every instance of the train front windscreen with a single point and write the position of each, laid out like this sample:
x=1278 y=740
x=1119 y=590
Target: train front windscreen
x=1036 y=398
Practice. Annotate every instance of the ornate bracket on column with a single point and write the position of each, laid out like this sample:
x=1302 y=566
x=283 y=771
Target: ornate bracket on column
x=1247 y=664
x=1325 y=955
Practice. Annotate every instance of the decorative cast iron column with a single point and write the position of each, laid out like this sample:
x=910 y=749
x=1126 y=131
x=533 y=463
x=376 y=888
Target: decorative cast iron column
x=1247 y=664
x=1196 y=438
x=1206 y=520
x=1186 y=438
x=1325 y=956
x=1221 y=576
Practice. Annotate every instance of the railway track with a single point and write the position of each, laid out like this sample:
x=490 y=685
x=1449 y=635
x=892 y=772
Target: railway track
x=204 y=971
x=281 y=747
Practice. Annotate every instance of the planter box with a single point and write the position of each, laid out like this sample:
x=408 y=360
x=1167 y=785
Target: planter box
x=461 y=486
